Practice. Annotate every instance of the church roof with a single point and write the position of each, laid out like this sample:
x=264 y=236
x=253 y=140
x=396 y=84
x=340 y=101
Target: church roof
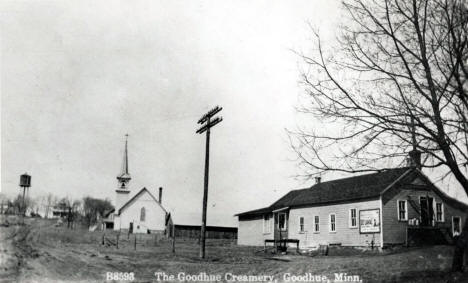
x=127 y=203
x=124 y=174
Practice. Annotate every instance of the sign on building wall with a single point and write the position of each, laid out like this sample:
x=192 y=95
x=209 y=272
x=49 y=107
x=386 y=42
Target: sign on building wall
x=369 y=221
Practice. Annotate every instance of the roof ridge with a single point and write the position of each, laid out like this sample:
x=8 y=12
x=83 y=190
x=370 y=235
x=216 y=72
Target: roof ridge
x=136 y=195
x=354 y=187
x=363 y=175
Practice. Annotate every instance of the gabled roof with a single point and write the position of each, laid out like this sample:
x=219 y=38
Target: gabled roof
x=108 y=212
x=254 y=212
x=137 y=195
x=347 y=189
x=354 y=188
x=448 y=199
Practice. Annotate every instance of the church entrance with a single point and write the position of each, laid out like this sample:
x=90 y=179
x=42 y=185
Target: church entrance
x=130 y=229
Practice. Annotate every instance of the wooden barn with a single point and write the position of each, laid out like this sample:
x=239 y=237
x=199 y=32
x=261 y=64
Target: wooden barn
x=212 y=232
x=391 y=207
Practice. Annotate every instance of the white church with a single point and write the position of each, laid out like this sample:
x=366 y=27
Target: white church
x=136 y=211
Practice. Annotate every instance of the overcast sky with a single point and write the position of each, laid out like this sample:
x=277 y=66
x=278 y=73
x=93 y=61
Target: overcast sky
x=76 y=76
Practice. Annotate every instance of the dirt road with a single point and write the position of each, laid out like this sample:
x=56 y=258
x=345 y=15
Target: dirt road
x=41 y=252
x=10 y=261
x=25 y=257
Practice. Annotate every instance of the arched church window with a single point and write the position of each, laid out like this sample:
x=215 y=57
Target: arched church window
x=142 y=214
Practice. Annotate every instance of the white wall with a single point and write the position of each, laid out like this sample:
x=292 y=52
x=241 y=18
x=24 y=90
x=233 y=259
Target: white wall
x=121 y=197
x=155 y=215
x=344 y=235
x=250 y=232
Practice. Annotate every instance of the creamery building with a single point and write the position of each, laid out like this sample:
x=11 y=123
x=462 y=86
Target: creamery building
x=391 y=207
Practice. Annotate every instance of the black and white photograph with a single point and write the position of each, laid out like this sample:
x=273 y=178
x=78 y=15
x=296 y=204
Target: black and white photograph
x=234 y=141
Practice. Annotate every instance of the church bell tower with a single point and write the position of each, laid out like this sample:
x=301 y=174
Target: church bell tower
x=123 y=179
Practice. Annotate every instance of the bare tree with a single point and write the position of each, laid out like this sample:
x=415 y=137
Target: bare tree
x=395 y=82
x=20 y=204
x=73 y=213
x=49 y=202
x=94 y=208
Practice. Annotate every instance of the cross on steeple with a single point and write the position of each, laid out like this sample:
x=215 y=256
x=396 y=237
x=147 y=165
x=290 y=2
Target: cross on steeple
x=124 y=176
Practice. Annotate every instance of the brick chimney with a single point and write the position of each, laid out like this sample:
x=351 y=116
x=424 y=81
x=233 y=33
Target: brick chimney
x=160 y=195
x=414 y=159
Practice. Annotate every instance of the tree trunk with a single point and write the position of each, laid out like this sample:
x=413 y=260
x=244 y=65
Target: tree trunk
x=460 y=248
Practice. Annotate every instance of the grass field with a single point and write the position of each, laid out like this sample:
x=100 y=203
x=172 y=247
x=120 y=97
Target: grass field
x=40 y=252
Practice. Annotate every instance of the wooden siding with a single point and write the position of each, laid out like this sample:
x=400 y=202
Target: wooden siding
x=250 y=231
x=212 y=232
x=395 y=230
x=344 y=235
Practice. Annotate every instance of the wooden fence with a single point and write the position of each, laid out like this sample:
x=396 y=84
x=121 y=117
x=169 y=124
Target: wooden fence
x=212 y=232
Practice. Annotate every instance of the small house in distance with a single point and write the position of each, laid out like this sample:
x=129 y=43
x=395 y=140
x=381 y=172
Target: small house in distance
x=391 y=207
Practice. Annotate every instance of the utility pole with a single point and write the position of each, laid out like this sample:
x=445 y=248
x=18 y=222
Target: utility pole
x=209 y=123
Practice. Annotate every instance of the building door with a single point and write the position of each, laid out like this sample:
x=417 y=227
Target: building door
x=430 y=211
x=427 y=210
x=130 y=229
x=281 y=225
x=456 y=226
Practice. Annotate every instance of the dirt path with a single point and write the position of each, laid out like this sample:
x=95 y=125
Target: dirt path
x=27 y=254
x=11 y=258
x=41 y=252
x=20 y=255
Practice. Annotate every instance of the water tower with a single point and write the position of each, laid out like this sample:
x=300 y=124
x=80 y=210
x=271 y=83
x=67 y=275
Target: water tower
x=25 y=182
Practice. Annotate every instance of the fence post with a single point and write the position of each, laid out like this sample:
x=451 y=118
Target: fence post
x=135 y=242
x=173 y=239
x=117 y=243
x=103 y=238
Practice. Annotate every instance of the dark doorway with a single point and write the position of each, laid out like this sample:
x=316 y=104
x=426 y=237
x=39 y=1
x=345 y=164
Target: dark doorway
x=130 y=230
x=456 y=226
x=281 y=225
x=427 y=211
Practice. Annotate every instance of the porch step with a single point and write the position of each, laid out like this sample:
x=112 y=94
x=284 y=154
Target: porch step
x=447 y=236
x=429 y=236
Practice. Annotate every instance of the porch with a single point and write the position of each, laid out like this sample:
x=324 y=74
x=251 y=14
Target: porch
x=428 y=235
x=281 y=244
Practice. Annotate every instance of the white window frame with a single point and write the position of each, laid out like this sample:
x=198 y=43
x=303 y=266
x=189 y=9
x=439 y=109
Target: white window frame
x=301 y=228
x=330 y=222
x=266 y=224
x=316 y=224
x=442 y=212
x=350 y=220
x=453 y=226
x=406 y=209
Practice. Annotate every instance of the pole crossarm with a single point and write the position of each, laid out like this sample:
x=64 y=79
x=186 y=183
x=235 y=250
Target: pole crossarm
x=206 y=128
x=209 y=114
x=209 y=125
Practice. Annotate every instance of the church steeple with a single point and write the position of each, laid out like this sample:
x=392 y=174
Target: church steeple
x=124 y=176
